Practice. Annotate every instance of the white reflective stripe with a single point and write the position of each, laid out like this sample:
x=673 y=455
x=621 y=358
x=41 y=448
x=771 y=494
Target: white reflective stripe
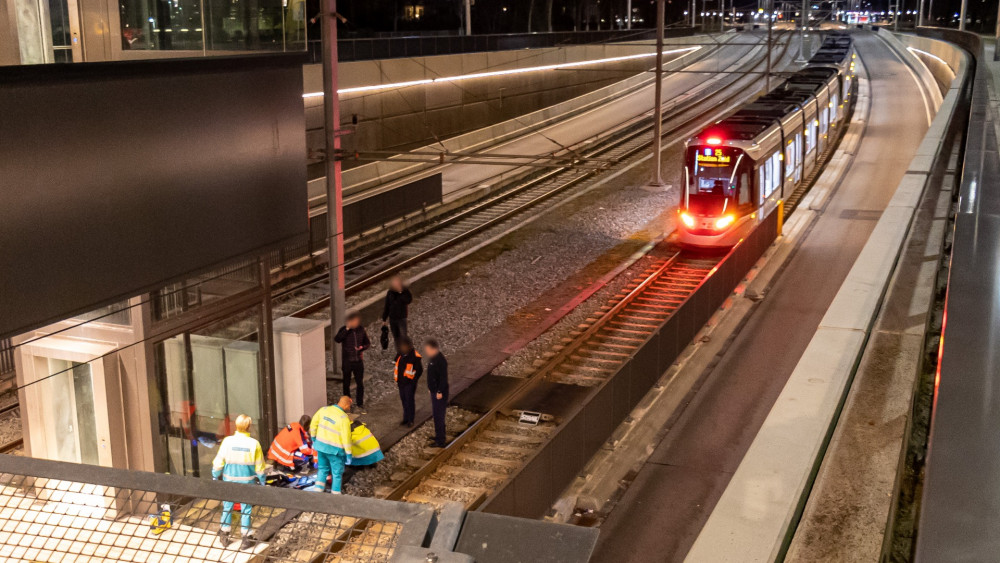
x=368 y=452
x=247 y=479
x=278 y=447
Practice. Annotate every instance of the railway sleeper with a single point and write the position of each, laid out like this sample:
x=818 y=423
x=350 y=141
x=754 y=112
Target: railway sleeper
x=502 y=465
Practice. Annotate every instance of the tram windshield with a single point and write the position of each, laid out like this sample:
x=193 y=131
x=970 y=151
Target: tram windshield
x=717 y=180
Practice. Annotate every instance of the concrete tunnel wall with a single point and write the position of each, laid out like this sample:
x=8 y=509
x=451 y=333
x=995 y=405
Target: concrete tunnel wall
x=400 y=117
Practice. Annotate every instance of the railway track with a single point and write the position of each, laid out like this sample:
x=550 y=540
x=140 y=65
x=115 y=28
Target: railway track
x=10 y=410
x=481 y=460
x=478 y=463
x=514 y=204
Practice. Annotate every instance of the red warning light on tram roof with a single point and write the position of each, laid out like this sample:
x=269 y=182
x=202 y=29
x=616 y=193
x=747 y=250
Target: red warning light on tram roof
x=714 y=141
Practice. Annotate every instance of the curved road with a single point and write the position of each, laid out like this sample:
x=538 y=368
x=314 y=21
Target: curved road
x=669 y=501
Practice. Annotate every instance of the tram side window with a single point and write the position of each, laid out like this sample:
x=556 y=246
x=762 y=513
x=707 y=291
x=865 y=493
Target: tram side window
x=834 y=99
x=770 y=175
x=744 y=193
x=790 y=158
x=824 y=120
x=810 y=136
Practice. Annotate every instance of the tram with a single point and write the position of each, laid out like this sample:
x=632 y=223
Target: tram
x=738 y=170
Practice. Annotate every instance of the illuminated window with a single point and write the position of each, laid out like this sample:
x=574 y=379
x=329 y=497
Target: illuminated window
x=413 y=12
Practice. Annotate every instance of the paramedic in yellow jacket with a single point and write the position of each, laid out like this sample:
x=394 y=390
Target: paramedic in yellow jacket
x=240 y=460
x=331 y=432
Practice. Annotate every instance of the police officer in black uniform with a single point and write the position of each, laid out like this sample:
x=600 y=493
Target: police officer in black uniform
x=437 y=384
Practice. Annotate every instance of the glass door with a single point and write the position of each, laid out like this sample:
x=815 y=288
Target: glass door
x=68 y=394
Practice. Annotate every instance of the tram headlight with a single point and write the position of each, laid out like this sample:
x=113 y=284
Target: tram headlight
x=687 y=220
x=723 y=222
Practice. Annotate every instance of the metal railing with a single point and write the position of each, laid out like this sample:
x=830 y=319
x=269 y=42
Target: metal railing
x=55 y=511
x=6 y=358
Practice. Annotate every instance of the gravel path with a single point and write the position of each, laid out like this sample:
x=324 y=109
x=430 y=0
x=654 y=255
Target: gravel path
x=524 y=265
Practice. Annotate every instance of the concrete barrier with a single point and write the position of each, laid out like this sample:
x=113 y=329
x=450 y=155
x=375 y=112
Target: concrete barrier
x=758 y=512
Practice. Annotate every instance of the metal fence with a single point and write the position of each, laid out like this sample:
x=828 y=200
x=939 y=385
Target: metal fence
x=54 y=511
x=422 y=46
x=6 y=359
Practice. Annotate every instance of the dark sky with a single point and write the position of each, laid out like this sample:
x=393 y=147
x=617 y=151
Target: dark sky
x=515 y=16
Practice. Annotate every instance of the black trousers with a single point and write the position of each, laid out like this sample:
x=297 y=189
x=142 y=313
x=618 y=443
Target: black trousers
x=439 y=407
x=407 y=394
x=357 y=370
x=398 y=329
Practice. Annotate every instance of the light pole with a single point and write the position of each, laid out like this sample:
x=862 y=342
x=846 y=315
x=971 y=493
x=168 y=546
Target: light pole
x=961 y=22
x=656 y=181
x=468 y=17
x=334 y=183
x=770 y=25
x=802 y=32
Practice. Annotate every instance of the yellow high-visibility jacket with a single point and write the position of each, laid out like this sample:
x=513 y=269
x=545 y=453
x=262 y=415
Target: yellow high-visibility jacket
x=331 y=430
x=365 y=445
x=240 y=459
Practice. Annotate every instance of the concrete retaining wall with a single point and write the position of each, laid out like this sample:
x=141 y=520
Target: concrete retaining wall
x=413 y=116
x=754 y=519
x=398 y=118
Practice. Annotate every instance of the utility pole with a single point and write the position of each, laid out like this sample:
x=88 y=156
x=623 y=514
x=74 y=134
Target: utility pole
x=656 y=181
x=334 y=183
x=961 y=22
x=468 y=17
x=895 y=21
x=920 y=14
x=628 y=14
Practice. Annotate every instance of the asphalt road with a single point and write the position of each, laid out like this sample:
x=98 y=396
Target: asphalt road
x=666 y=506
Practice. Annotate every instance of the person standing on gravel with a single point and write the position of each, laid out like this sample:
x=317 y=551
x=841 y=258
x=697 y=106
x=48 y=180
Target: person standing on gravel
x=240 y=460
x=407 y=371
x=397 y=303
x=437 y=384
x=353 y=341
x=331 y=432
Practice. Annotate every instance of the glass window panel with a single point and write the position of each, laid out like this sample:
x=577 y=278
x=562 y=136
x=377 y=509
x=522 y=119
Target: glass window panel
x=206 y=378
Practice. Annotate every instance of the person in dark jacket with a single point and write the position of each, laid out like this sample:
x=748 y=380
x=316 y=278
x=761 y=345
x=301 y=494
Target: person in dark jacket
x=353 y=342
x=397 y=303
x=437 y=384
x=407 y=372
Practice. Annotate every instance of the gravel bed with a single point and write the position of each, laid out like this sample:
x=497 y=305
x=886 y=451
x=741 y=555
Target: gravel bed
x=303 y=533
x=8 y=398
x=364 y=482
x=442 y=493
x=10 y=427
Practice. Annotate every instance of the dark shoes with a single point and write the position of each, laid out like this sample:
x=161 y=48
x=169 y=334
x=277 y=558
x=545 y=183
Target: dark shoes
x=247 y=543
x=224 y=538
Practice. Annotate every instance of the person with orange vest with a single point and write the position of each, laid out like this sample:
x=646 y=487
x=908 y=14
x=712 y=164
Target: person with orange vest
x=292 y=447
x=407 y=371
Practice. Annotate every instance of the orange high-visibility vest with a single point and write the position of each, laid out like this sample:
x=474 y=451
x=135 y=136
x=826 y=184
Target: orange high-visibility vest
x=291 y=439
x=409 y=373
